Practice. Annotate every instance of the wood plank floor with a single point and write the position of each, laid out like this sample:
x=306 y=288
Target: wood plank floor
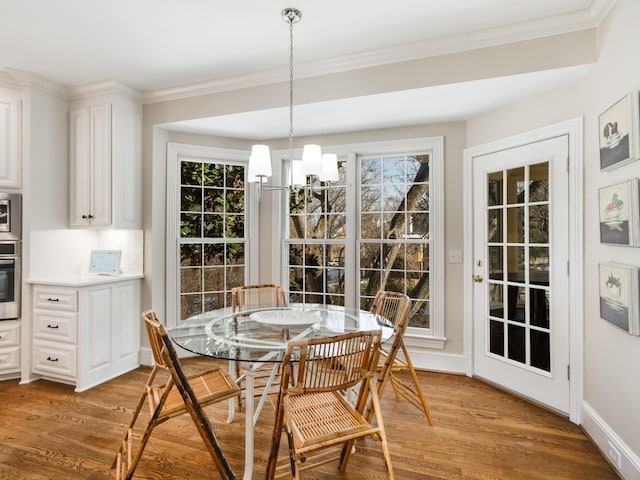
x=49 y=432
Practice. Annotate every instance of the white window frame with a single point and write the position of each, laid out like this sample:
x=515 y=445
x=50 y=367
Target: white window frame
x=176 y=152
x=433 y=337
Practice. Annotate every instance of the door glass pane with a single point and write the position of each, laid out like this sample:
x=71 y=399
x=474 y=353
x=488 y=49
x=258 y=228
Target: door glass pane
x=539 y=182
x=539 y=224
x=515 y=186
x=496 y=300
x=515 y=264
x=517 y=303
x=496 y=337
x=516 y=342
x=540 y=350
x=539 y=307
x=515 y=224
x=495 y=226
x=539 y=265
x=496 y=270
x=494 y=188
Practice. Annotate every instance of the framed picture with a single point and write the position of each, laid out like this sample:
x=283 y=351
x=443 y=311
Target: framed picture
x=619 y=296
x=620 y=132
x=618 y=208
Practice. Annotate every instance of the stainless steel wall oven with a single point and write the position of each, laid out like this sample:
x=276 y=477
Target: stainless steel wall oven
x=9 y=280
x=10 y=255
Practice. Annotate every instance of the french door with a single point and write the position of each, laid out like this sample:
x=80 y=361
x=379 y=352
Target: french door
x=521 y=282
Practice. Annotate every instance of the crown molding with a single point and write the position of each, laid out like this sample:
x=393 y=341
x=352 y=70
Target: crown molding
x=557 y=25
x=20 y=79
x=106 y=87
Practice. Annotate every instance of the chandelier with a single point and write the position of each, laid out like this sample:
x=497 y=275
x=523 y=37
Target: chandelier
x=314 y=163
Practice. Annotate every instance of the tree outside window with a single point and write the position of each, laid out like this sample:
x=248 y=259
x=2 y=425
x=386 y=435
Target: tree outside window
x=212 y=234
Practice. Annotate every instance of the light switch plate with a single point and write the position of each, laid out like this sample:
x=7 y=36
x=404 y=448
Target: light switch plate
x=455 y=256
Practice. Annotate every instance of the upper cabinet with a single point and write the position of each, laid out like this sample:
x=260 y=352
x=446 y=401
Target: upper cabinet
x=10 y=139
x=105 y=162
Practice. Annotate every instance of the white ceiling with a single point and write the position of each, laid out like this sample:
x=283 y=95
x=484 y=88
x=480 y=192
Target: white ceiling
x=156 y=45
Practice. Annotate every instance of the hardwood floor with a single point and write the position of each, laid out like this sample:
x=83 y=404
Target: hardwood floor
x=49 y=432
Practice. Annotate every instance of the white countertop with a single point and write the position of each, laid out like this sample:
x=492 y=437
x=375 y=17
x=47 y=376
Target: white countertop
x=82 y=280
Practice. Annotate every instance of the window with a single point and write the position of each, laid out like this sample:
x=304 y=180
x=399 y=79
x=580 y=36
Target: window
x=212 y=235
x=395 y=231
x=378 y=227
x=316 y=247
x=208 y=227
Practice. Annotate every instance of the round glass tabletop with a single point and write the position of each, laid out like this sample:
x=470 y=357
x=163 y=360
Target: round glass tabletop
x=261 y=335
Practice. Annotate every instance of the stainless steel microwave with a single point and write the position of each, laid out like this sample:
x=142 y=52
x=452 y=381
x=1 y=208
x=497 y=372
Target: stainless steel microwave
x=10 y=216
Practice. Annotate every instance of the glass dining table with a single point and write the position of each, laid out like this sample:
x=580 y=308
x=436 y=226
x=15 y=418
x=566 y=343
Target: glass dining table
x=258 y=337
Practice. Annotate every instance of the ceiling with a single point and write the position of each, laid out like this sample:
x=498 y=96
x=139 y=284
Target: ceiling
x=155 y=46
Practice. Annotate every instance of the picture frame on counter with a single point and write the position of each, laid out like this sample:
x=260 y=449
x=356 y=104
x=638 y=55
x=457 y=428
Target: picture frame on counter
x=618 y=290
x=619 y=128
x=105 y=262
x=619 y=214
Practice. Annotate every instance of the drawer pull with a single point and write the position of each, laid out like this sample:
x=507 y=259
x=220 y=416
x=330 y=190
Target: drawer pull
x=52 y=359
x=53 y=326
x=53 y=299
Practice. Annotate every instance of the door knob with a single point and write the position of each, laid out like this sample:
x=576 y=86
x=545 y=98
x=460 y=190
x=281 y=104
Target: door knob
x=477 y=278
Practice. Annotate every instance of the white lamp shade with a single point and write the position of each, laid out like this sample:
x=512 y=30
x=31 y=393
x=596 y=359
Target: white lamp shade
x=329 y=168
x=298 y=178
x=259 y=163
x=312 y=160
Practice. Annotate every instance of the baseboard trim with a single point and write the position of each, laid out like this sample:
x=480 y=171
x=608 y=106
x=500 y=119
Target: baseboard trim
x=602 y=434
x=438 y=361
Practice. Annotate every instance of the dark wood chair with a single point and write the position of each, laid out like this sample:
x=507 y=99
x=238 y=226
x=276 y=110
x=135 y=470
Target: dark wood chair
x=180 y=394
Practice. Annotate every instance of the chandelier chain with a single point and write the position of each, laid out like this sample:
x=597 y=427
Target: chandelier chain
x=290 y=89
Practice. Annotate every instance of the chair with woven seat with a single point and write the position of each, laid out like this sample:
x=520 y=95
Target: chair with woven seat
x=179 y=395
x=248 y=297
x=320 y=424
x=392 y=309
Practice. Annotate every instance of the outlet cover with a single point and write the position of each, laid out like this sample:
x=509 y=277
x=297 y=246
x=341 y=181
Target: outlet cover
x=614 y=455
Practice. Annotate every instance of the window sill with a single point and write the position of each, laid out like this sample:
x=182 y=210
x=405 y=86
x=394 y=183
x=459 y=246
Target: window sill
x=424 y=341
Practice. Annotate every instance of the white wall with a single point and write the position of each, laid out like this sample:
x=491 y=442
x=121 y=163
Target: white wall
x=611 y=409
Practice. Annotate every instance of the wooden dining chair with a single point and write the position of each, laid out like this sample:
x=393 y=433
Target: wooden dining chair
x=392 y=309
x=179 y=395
x=320 y=424
x=247 y=297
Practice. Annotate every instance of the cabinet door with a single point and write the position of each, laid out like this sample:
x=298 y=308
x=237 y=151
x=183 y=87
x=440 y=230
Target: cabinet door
x=90 y=145
x=9 y=142
x=96 y=324
x=101 y=165
x=80 y=165
x=126 y=325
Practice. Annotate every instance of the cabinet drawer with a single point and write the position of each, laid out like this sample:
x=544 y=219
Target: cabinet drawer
x=56 y=326
x=56 y=359
x=55 y=299
x=9 y=359
x=9 y=333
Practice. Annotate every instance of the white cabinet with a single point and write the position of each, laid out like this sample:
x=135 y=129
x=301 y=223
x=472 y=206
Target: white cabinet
x=9 y=348
x=10 y=138
x=105 y=144
x=86 y=335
